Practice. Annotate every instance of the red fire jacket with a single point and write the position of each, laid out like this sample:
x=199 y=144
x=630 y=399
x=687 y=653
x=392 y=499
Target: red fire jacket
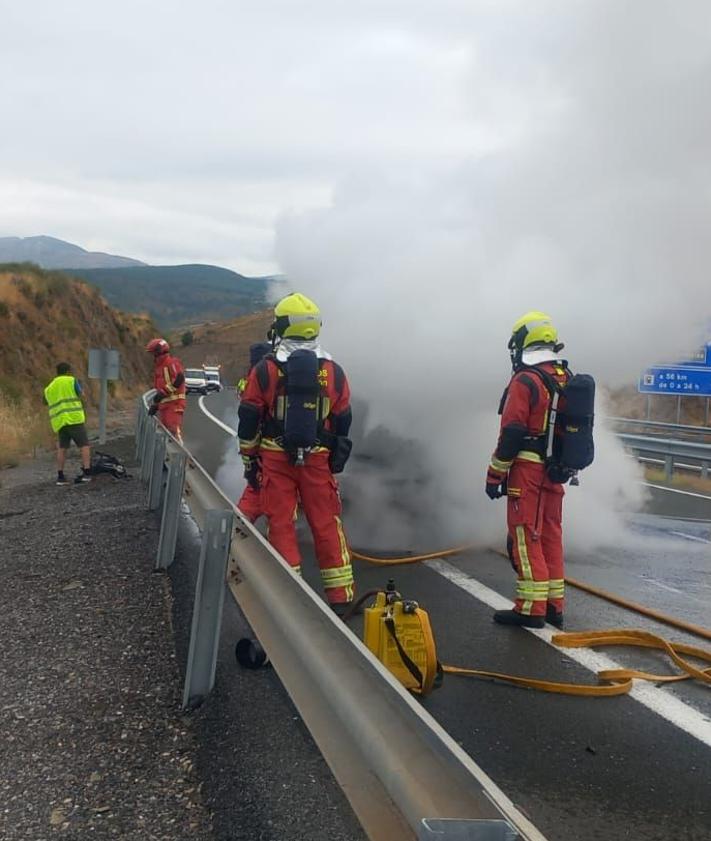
x=524 y=417
x=169 y=379
x=261 y=404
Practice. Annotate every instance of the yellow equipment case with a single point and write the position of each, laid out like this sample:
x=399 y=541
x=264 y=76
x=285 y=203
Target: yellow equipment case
x=399 y=634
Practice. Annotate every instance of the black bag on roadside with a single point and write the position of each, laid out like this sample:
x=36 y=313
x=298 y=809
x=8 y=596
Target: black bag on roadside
x=105 y=463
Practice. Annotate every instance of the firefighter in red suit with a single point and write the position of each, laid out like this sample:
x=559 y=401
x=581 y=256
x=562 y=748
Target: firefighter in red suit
x=289 y=394
x=169 y=383
x=517 y=470
x=249 y=502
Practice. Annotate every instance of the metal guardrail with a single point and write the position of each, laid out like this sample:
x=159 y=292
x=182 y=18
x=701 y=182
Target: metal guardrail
x=663 y=426
x=404 y=776
x=673 y=453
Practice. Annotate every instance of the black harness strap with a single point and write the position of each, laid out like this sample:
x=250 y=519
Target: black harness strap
x=409 y=664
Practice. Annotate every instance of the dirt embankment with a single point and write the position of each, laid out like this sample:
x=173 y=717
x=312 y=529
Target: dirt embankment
x=225 y=344
x=47 y=318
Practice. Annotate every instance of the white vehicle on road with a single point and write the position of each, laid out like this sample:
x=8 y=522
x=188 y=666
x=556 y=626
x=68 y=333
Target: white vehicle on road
x=212 y=377
x=195 y=381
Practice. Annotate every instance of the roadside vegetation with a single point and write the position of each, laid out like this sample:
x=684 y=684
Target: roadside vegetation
x=24 y=430
x=47 y=317
x=179 y=295
x=681 y=480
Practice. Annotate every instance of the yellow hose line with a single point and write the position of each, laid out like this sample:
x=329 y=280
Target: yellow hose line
x=619 y=681
x=690 y=628
x=410 y=559
x=680 y=624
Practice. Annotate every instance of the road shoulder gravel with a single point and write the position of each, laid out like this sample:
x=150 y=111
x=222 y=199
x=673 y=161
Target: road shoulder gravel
x=92 y=739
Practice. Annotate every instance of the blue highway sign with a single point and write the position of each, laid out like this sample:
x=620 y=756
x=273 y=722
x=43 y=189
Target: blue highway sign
x=676 y=379
x=702 y=356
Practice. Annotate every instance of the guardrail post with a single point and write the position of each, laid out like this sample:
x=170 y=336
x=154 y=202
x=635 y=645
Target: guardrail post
x=155 y=480
x=704 y=470
x=452 y=829
x=171 y=510
x=149 y=442
x=668 y=467
x=141 y=418
x=207 y=609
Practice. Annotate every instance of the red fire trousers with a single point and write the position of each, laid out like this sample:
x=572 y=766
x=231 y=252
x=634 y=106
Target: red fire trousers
x=171 y=416
x=314 y=487
x=535 y=518
x=250 y=504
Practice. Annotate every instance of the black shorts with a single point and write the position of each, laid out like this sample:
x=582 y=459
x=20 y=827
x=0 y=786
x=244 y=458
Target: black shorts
x=73 y=432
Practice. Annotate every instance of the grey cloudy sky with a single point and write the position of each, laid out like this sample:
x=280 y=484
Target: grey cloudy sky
x=176 y=131
x=426 y=169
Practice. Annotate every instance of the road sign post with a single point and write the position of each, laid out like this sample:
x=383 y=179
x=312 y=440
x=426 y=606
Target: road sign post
x=104 y=366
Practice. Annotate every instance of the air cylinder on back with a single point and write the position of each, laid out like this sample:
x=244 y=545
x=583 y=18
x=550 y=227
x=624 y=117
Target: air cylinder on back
x=578 y=449
x=302 y=399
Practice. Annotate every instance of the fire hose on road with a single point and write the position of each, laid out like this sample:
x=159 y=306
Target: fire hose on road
x=613 y=681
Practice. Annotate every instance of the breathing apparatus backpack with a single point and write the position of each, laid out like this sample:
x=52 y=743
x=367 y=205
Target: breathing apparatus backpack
x=569 y=445
x=302 y=410
x=301 y=403
x=399 y=634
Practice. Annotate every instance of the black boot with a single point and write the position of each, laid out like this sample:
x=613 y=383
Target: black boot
x=341 y=608
x=553 y=616
x=513 y=617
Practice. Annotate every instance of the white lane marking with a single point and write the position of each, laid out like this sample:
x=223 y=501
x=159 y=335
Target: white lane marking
x=223 y=426
x=658 y=700
x=690 y=536
x=664 y=586
x=676 y=491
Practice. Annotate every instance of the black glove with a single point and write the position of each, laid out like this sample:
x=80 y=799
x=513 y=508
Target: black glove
x=153 y=409
x=340 y=452
x=495 y=485
x=251 y=471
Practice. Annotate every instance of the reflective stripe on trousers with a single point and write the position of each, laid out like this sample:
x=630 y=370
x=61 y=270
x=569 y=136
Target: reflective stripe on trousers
x=283 y=485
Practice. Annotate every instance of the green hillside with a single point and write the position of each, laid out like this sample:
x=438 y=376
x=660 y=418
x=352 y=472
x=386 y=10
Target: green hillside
x=179 y=295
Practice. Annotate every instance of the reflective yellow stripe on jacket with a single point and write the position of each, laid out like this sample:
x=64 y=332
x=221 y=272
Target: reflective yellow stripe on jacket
x=65 y=406
x=528 y=455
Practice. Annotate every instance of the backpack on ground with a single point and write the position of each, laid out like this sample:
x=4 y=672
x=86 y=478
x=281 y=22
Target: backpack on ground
x=105 y=463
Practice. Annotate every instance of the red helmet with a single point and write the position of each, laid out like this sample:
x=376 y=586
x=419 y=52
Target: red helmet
x=157 y=346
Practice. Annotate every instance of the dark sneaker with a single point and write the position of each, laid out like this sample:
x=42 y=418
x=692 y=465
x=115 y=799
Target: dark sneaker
x=341 y=609
x=82 y=479
x=554 y=617
x=512 y=617
x=62 y=479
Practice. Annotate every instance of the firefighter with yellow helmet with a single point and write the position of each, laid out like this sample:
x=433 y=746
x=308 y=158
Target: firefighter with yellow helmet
x=518 y=471
x=294 y=419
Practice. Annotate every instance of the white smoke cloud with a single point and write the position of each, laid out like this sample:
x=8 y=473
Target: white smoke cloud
x=597 y=214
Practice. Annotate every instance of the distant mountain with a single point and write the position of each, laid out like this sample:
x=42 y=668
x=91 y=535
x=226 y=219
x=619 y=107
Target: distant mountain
x=51 y=253
x=180 y=295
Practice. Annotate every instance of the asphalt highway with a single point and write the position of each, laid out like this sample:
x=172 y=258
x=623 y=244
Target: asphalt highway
x=633 y=767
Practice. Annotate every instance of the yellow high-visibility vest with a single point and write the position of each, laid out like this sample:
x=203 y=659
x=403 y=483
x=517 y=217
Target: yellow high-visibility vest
x=65 y=407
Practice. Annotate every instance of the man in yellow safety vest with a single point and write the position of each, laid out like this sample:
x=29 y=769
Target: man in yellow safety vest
x=66 y=414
